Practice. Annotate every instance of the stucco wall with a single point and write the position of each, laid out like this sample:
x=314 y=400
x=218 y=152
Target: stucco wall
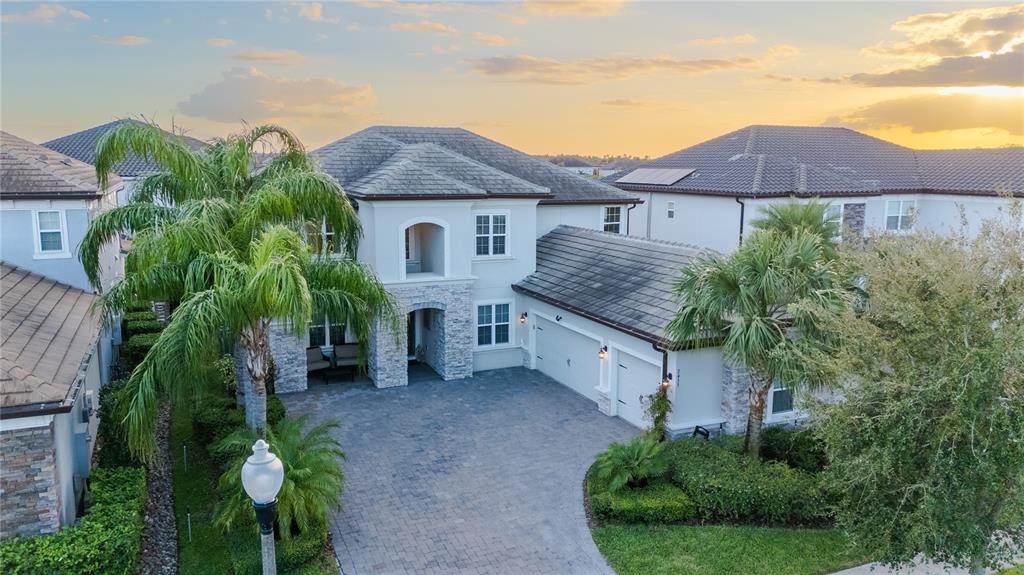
x=18 y=243
x=583 y=216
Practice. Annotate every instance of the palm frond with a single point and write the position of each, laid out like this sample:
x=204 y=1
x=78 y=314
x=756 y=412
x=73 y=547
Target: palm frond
x=149 y=141
x=106 y=226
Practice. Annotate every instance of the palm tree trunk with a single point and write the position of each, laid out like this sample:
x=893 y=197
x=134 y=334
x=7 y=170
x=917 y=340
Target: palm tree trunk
x=257 y=351
x=757 y=398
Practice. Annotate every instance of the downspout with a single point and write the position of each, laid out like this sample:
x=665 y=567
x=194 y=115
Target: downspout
x=743 y=209
x=664 y=360
x=650 y=206
x=629 y=209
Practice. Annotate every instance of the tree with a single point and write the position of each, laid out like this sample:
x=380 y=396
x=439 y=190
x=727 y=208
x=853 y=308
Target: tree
x=927 y=448
x=761 y=304
x=231 y=241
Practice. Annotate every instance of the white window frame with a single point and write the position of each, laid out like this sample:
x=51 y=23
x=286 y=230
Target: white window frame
x=324 y=242
x=491 y=235
x=842 y=213
x=65 y=251
x=670 y=210
x=770 y=407
x=605 y=223
x=326 y=325
x=901 y=217
x=511 y=323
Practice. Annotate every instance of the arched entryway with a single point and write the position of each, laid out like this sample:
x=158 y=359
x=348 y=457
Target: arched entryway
x=425 y=339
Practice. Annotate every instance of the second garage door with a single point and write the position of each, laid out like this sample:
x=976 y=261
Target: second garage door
x=568 y=357
x=637 y=378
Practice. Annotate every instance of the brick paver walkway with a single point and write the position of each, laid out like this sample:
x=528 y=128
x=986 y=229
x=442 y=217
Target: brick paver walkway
x=482 y=475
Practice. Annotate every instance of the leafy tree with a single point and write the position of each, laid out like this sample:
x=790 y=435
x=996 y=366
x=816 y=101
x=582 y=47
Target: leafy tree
x=231 y=241
x=762 y=303
x=312 y=475
x=927 y=449
x=630 y=464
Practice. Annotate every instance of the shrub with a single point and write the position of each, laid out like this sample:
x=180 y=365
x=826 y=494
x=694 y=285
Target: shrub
x=113 y=451
x=275 y=410
x=728 y=486
x=105 y=542
x=225 y=373
x=139 y=316
x=136 y=348
x=630 y=464
x=216 y=418
x=293 y=554
x=139 y=306
x=659 y=502
x=136 y=327
x=797 y=448
x=657 y=407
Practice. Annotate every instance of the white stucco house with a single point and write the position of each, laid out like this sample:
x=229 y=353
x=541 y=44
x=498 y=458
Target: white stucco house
x=708 y=194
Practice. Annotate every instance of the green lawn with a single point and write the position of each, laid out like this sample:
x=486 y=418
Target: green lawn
x=1018 y=570
x=723 y=550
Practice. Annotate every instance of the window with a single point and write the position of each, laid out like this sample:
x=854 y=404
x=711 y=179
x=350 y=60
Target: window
x=671 y=210
x=613 y=219
x=492 y=325
x=491 y=234
x=50 y=227
x=782 y=399
x=899 y=215
x=326 y=335
x=324 y=241
x=834 y=215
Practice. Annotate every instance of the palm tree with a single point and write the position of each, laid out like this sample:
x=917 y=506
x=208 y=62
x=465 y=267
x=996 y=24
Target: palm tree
x=230 y=241
x=759 y=303
x=312 y=474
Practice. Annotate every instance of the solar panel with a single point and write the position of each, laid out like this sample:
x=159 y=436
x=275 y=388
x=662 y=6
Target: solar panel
x=655 y=176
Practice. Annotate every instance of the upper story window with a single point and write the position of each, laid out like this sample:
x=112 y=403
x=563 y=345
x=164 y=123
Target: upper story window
x=671 y=210
x=492 y=324
x=324 y=241
x=613 y=219
x=899 y=215
x=51 y=234
x=491 y=234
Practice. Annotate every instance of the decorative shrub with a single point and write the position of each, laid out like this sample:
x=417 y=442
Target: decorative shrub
x=140 y=306
x=226 y=376
x=798 y=448
x=136 y=327
x=630 y=464
x=113 y=450
x=733 y=487
x=147 y=315
x=216 y=418
x=657 y=407
x=105 y=542
x=658 y=502
x=136 y=348
x=275 y=410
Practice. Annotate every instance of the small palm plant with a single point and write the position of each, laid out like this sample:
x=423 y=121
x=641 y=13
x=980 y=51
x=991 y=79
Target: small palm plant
x=312 y=475
x=630 y=464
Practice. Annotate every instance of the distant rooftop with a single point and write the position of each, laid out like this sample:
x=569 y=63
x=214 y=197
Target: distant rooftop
x=767 y=161
x=391 y=162
x=30 y=171
x=48 y=333
x=82 y=147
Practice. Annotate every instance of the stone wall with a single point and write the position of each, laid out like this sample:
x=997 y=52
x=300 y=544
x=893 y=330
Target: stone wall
x=735 y=383
x=451 y=356
x=289 y=353
x=853 y=219
x=28 y=482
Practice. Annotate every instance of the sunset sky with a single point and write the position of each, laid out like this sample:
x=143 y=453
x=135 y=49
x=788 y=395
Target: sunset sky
x=641 y=78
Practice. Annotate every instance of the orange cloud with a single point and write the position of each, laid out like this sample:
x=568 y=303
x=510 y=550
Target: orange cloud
x=934 y=113
x=285 y=58
x=425 y=26
x=128 y=40
x=724 y=40
x=577 y=8
x=43 y=13
x=220 y=42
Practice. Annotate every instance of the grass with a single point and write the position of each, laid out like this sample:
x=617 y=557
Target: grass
x=723 y=550
x=1018 y=570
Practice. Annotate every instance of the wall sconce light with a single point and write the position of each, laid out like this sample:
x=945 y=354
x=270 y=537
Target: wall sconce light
x=523 y=316
x=603 y=352
x=665 y=383
x=558 y=318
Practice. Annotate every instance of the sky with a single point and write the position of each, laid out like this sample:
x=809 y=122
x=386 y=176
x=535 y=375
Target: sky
x=577 y=77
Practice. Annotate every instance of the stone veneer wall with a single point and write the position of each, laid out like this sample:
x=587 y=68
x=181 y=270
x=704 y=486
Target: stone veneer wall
x=289 y=354
x=853 y=218
x=28 y=482
x=735 y=383
x=452 y=355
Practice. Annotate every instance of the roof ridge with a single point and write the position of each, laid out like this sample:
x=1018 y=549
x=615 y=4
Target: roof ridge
x=635 y=239
x=463 y=157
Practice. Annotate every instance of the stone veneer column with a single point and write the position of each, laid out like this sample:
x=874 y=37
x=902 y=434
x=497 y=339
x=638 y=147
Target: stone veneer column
x=853 y=219
x=28 y=482
x=735 y=382
x=289 y=353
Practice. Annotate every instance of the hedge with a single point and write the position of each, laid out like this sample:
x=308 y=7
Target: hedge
x=106 y=541
x=797 y=448
x=658 y=502
x=729 y=486
x=139 y=316
x=113 y=451
x=136 y=348
x=140 y=306
x=136 y=327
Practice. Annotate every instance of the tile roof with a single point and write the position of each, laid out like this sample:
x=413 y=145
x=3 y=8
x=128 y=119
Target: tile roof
x=389 y=162
x=759 y=161
x=621 y=281
x=49 y=332
x=82 y=146
x=29 y=170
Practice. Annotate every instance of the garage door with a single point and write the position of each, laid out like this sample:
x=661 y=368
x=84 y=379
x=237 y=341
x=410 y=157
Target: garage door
x=637 y=378
x=568 y=357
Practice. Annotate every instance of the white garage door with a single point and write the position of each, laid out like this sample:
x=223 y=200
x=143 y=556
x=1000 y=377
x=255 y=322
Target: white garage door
x=637 y=378
x=568 y=357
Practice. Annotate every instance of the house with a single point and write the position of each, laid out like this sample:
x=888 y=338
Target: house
x=54 y=352
x=709 y=193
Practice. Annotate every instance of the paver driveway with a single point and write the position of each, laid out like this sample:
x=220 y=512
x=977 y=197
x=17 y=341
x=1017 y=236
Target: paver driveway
x=482 y=475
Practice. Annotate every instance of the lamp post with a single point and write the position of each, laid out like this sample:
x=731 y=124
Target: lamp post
x=262 y=476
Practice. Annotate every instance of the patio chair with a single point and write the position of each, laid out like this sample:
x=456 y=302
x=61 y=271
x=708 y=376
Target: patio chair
x=315 y=361
x=346 y=354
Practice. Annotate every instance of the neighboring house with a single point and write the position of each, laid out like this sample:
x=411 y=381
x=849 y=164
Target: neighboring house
x=52 y=365
x=709 y=193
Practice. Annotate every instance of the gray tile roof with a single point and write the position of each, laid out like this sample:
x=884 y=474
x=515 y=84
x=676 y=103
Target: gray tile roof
x=29 y=170
x=759 y=161
x=388 y=162
x=620 y=281
x=82 y=146
x=48 y=333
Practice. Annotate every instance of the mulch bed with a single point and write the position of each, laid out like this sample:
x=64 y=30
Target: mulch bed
x=159 y=553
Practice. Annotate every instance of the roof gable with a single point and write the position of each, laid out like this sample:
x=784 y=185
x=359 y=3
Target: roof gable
x=29 y=170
